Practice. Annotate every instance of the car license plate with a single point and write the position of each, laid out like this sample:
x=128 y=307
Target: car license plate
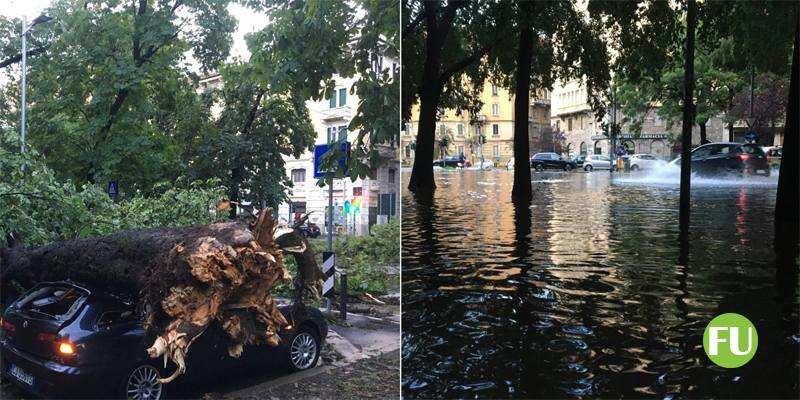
x=761 y=171
x=20 y=374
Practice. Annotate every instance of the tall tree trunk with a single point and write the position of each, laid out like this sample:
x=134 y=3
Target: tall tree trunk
x=703 y=137
x=686 y=140
x=522 y=99
x=730 y=131
x=422 y=172
x=788 y=196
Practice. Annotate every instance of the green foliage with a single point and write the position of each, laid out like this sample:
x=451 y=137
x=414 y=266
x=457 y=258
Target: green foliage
x=38 y=208
x=367 y=257
x=245 y=146
x=309 y=42
x=111 y=98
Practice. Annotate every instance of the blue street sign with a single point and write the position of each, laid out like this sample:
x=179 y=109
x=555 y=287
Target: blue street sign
x=751 y=136
x=112 y=188
x=319 y=152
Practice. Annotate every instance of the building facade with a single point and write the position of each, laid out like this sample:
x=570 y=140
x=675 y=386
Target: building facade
x=376 y=196
x=584 y=134
x=495 y=121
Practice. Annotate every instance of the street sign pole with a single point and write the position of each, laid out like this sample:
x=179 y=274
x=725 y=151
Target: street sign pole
x=330 y=231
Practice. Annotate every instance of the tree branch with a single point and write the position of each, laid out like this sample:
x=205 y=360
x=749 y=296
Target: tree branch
x=463 y=63
x=17 y=58
x=414 y=24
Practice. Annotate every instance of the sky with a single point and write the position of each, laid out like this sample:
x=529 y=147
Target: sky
x=249 y=21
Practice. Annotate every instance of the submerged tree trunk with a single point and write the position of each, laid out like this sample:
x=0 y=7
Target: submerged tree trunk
x=183 y=278
x=522 y=171
x=422 y=172
x=686 y=140
x=787 y=221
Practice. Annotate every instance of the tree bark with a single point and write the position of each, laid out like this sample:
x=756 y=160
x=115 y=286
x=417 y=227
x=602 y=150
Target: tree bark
x=703 y=136
x=183 y=278
x=686 y=142
x=434 y=77
x=730 y=131
x=522 y=171
x=787 y=221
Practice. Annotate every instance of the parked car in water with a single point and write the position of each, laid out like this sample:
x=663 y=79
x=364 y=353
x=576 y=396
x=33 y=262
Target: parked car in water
x=451 y=161
x=726 y=158
x=63 y=339
x=579 y=160
x=596 y=161
x=774 y=154
x=644 y=161
x=542 y=161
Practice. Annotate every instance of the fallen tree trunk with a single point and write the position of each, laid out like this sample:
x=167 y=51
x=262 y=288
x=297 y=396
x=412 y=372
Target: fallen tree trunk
x=185 y=278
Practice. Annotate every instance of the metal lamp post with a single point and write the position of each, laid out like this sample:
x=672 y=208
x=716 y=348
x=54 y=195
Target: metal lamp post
x=24 y=34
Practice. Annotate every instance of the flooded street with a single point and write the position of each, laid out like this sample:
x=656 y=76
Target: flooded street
x=587 y=293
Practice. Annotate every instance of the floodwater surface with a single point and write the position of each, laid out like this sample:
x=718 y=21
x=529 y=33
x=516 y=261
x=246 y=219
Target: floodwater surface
x=588 y=292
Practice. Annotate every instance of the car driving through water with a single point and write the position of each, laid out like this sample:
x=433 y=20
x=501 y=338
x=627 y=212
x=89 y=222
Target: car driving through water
x=730 y=158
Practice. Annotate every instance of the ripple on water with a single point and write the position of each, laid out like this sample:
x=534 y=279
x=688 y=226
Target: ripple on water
x=586 y=292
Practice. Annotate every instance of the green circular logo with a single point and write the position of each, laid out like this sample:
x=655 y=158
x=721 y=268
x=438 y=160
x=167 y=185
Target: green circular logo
x=730 y=340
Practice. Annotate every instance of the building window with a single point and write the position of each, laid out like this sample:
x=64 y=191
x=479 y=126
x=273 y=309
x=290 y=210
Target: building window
x=495 y=129
x=494 y=90
x=597 y=149
x=461 y=149
x=460 y=129
x=442 y=129
x=391 y=175
x=408 y=129
x=569 y=124
x=495 y=109
x=408 y=151
x=332 y=100
x=331 y=134
x=298 y=175
x=496 y=151
x=342 y=133
x=583 y=148
x=657 y=120
x=357 y=191
x=342 y=97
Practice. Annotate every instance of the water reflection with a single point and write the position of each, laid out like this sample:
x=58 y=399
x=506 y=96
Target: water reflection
x=592 y=290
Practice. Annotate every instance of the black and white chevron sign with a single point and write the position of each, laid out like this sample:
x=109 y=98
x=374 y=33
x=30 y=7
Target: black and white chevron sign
x=328 y=261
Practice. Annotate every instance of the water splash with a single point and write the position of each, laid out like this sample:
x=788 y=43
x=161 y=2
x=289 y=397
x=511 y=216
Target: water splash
x=670 y=175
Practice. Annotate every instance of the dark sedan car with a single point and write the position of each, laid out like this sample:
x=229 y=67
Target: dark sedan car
x=62 y=339
x=729 y=158
x=542 y=161
x=310 y=230
x=453 y=161
x=579 y=159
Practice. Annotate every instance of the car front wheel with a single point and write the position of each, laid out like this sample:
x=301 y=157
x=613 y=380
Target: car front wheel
x=304 y=349
x=568 y=167
x=142 y=383
x=538 y=167
x=587 y=168
x=634 y=167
